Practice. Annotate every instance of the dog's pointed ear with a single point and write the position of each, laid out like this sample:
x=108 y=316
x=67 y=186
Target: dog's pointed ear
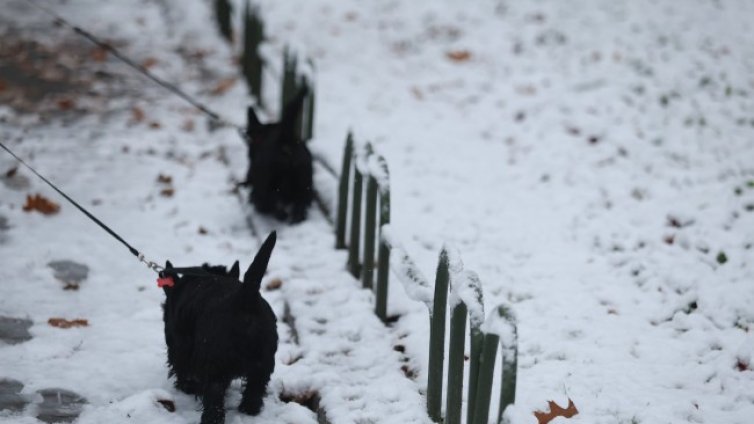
x=253 y=276
x=252 y=121
x=235 y=271
x=168 y=265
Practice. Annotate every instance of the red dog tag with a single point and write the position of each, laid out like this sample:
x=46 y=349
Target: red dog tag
x=167 y=281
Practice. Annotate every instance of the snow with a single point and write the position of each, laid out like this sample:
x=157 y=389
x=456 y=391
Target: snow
x=502 y=322
x=590 y=160
x=414 y=282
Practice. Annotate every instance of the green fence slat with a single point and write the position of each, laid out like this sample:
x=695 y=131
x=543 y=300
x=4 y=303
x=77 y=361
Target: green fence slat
x=456 y=345
x=353 y=248
x=370 y=227
x=476 y=340
x=437 y=339
x=342 y=214
x=383 y=254
x=484 y=380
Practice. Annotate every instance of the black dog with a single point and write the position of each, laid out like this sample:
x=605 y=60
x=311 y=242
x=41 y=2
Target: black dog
x=280 y=164
x=218 y=329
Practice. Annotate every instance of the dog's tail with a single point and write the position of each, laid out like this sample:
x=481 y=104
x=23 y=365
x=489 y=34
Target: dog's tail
x=252 y=280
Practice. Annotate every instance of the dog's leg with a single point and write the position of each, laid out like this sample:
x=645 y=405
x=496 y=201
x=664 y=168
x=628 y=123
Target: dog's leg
x=186 y=385
x=213 y=403
x=253 y=393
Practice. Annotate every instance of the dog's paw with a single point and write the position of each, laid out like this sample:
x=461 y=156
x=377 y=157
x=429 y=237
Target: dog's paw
x=250 y=407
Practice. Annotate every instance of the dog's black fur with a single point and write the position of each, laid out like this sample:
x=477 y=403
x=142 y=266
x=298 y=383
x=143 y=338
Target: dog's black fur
x=280 y=164
x=218 y=329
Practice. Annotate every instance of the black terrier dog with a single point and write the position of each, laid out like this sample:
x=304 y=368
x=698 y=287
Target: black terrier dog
x=280 y=164
x=218 y=329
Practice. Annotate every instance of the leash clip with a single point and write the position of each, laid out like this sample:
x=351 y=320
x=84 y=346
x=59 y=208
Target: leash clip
x=151 y=265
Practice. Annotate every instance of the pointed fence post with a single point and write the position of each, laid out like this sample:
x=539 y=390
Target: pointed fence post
x=309 y=127
x=223 y=11
x=354 y=245
x=251 y=62
x=370 y=228
x=437 y=339
x=484 y=380
x=383 y=254
x=509 y=369
x=290 y=81
x=345 y=171
x=475 y=353
x=456 y=347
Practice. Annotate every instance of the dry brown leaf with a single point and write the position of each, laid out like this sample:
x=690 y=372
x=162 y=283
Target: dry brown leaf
x=188 y=125
x=164 y=179
x=40 y=204
x=99 y=54
x=66 y=104
x=11 y=172
x=223 y=86
x=274 y=284
x=417 y=93
x=155 y=125
x=202 y=230
x=167 y=192
x=65 y=323
x=458 y=56
x=137 y=114
x=556 y=411
x=149 y=62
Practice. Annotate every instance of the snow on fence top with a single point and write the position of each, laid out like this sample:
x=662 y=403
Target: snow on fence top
x=466 y=287
x=378 y=170
x=368 y=163
x=502 y=322
x=414 y=282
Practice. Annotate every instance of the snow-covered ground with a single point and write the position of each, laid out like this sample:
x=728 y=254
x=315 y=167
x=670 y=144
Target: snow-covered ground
x=593 y=162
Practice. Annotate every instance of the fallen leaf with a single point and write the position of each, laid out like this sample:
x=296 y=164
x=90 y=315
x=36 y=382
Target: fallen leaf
x=154 y=125
x=149 y=62
x=99 y=54
x=71 y=286
x=202 y=230
x=64 y=323
x=223 y=86
x=458 y=56
x=556 y=411
x=274 y=284
x=167 y=192
x=742 y=365
x=11 y=172
x=41 y=205
x=137 y=114
x=188 y=125
x=164 y=179
x=66 y=104
x=417 y=93
x=167 y=404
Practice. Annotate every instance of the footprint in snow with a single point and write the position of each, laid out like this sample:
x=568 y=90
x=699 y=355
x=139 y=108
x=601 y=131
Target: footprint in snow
x=50 y=405
x=70 y=273
x=14 y=330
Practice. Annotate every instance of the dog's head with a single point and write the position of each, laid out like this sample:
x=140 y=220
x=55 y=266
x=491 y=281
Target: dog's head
x=171 y=279
x=276 y=133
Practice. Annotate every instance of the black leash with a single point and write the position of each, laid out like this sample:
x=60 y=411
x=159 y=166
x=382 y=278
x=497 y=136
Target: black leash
x=214 y=116
x=140 y=256
x=161 y=271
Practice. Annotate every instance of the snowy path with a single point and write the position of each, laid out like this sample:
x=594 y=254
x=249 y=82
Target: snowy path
x=591 y=159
